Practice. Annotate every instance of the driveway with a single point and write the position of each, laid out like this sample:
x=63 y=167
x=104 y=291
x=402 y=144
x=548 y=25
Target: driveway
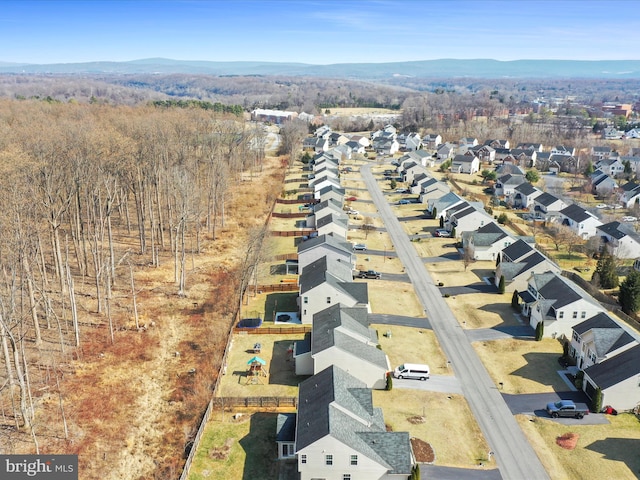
x=535 y=403
x=384 y=319
x=500 y=333
x=473 y=288
x=435 y=472
x=436 y=383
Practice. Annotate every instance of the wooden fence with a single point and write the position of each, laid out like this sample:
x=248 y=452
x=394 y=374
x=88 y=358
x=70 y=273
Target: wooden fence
x=286 y=256
x=254 y=402
x=291 y=233
x=274 y=330
x=275 y=287
x=290 y=214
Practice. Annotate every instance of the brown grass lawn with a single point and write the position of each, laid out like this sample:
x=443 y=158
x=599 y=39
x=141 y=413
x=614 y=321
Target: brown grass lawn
x=434 y=247
x=396 y=298
x=280 y=381
x=603 y=451
x=414 y=345
x=523 y=366
x=240 y=448
x=448 y=424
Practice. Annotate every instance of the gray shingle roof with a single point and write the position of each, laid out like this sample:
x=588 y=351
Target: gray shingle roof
x=324 y=270
x=607 y=334
x=286 y=427
x=516 y=250
x=546 y=199
x=576 y=213
x=616 y=369
x=525 y=188
x=334 y=242
x=335 y=403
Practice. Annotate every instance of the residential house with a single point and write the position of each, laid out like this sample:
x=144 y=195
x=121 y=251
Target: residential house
x=324 y=181
x=323 y=161
x=581 y=221
x=517 y=262
x=418 y=180
x=386 y=146
x=634 y=162
x=465 y=164
x=543 y=161
x=330 y=246
x=467 y=217
x=501 y=154
x=340 y=336
x=322 y=131
x=336 y=138
x=323 y=209
x=617 y=379
x=536 y=147
x=333 y=224
x=597 y=339
x=438 y=206
x=547 y=203
x=633 y=133
x=432 y=190
x=602 y=184
x=432 y=141
x=330 y=192
x=445 y=152
x=497 y=143
x=356 y=147
x=465 y=144
x=563 y=150
x=611 y=166
x=317 y=144
x=509 y=168
x=361 y=139
x=485 y=153
x=343 y=151
x=620 y=239
x=488 y=241
x=274 y=116
x=506 y=184
x=559 y=303
x=327 y=170
x=630 y=194
x=611 y=133
x=327 y=282
x=409 y=170
x=565 y=163
x=412 y=142
x=523 y=195
x=600 y=152
x=421 y=157
x=341 y=435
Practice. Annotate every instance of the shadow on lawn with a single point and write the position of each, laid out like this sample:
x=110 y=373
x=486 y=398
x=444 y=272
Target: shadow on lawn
x=619 y=449
x=260 y=447
x=279 y=302
x=504 y=310
x=542 y=368
x=282 y=368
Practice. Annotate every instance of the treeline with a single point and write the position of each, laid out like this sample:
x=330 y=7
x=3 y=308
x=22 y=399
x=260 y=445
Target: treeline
x=217 y=107
x=91 y=193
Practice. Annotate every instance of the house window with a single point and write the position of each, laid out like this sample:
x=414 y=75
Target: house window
x=303 y=458
x=328 y=299
x=346 y=476
x=305 y=312
x=560 y=315
x=576 y=337
x=328 y=459
x=305 y=300
x=354 y=459
x=583 y=315
x=575 y=314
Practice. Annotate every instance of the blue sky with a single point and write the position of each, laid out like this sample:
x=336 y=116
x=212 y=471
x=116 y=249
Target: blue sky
x=318 y=32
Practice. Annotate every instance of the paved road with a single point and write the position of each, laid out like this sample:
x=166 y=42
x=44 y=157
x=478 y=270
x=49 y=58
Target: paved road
x=400 y=320
x=534 y=404
x=513 y=453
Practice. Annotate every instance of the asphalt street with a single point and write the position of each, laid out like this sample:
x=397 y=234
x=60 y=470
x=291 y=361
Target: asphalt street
x=514 y=455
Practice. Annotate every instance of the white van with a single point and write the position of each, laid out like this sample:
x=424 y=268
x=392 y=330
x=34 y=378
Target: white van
x=412 y=370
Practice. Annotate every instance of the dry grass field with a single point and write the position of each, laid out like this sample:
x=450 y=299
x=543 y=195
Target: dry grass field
x=443 y=420
x=410 y=344
x=523 y=366
x=603 y=451
x=279 y=378
x=395 y=298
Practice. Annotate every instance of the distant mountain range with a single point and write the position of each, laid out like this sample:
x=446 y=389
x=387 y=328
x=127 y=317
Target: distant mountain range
x=479 y=68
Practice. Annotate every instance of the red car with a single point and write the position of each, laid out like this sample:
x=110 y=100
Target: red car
x=351 y=199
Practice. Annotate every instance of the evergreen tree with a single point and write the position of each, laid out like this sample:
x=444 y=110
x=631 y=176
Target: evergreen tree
x=532 y=176
x=434 y=212
x=607 y=271
x=589 y=169
x=514 y=300
x=630 y=293
x=539 y=331
x=501 y=284
x=441 y=222
x=389 y=385
x=596 y=402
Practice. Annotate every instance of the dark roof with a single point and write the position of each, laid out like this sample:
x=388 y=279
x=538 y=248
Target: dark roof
x=526 y=297
x=325 y=270
x=516 y=250
x=559 y=291
x=335 y=403
x=304 y=345
x=330 y=218
x=615 y=369
x=628 y=187
x=608 y=335
x=331 y=241
x=286 y=427
x=546 y=199
x=332 y=188
x=576 y=213
x=619 y=230
x=511 y=179
x=525 y=188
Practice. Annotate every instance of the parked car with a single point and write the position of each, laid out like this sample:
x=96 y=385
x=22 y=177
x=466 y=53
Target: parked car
x=360 y=247
x=351 y=199
x=566 y=409
x=629 y=219
x=401 y=190
x=412 y=370
x=369 y=274
x=441 y=232
x=404 y=201
x=601 y=205
x=351 y=211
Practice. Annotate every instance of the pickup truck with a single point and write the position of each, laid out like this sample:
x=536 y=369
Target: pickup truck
x=566 y=409
x=369 y=274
